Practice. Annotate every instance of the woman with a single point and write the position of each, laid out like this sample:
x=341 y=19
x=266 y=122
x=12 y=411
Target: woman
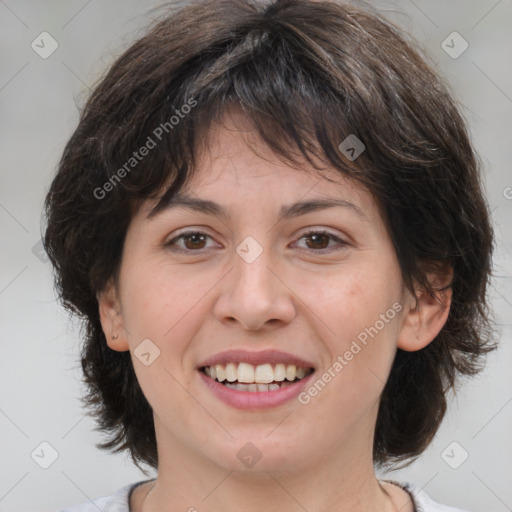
x=271 y=220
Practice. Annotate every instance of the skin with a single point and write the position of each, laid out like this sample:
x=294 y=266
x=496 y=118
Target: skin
x=315 y=456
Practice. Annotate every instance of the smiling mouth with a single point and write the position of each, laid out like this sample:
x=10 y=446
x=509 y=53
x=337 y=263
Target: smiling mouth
x=254 y=378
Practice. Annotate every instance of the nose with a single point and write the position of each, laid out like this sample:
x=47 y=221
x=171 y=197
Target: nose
x=256 y=294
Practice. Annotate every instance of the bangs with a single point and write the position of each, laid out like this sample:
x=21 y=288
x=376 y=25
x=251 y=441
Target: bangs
x=261 y=74
x=300 y=103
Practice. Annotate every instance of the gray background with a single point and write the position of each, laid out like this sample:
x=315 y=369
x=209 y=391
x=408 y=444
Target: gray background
x=39 y=372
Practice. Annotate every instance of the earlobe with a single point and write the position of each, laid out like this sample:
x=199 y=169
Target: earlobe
x=425 y=316
x=111 y=318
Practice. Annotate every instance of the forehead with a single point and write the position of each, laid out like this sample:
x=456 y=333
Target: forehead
x=232 y=154
x=236 y=168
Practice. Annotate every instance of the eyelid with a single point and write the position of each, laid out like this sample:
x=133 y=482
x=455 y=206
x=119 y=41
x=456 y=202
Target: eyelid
x=311 y=230
x=340 y=241
x=187 y=231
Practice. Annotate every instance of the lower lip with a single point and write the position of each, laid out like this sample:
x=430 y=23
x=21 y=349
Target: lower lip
x=255 y=399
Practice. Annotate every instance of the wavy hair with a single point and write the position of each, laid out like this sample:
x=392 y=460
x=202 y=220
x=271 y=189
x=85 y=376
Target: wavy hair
x=308 y=74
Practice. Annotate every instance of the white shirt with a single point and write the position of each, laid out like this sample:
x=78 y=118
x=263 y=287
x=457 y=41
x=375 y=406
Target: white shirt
x=119 y=501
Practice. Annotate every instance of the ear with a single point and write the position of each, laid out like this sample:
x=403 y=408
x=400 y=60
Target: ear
x=426 y=316
x=111 y=318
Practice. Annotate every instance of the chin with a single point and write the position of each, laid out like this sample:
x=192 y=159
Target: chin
x=256 y=455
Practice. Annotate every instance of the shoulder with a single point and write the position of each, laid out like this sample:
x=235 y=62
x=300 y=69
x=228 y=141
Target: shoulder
x=117 y=502
x=423 y=502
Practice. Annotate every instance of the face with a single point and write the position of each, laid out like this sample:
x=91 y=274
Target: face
x=310 y=305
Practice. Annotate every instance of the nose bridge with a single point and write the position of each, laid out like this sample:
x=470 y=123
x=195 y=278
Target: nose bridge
x=252 y=264
x=254 y=294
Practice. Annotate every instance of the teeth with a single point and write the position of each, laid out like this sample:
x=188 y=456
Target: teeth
x=259 y=387
x=245 y=373
x=300 y=372
x=231 y=372
x=221 y=372
x=279 y=372
x=264 y=374
x=261 y=375
x=291 y=372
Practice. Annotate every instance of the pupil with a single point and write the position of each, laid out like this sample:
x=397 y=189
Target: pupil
x=315 y=237
x=195 y=237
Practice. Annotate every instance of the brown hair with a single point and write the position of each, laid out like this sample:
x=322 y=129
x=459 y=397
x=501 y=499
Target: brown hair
x=308 y=74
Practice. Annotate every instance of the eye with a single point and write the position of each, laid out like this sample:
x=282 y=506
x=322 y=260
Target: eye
x=193 y=240
x=319 y=241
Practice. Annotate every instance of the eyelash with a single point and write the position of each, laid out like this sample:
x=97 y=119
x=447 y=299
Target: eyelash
x=342 y=243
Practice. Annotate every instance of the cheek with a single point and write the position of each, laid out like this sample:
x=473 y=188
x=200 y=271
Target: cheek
x=371 y=322
x=351 y=298
x=162 y=304
x=156 y=297
x=167 y=304
x=357 y=307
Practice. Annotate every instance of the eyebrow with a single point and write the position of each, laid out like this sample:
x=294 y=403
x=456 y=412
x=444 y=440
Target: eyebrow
x=287 y=211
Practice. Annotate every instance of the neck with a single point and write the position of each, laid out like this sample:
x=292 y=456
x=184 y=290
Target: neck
x=344 y=482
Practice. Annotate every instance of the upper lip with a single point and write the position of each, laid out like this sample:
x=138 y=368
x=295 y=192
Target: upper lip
x=255 y=358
